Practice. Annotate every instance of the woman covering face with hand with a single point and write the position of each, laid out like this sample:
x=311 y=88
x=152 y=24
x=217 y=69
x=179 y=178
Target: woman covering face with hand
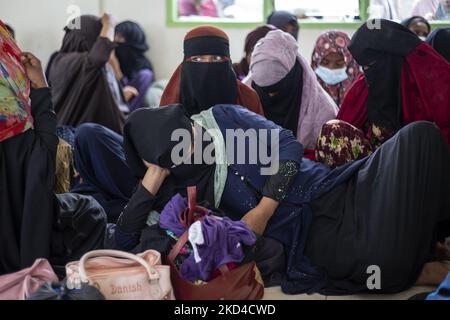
x=27 y=164
x=135 y=70
x=34 y=223
x=84 y=86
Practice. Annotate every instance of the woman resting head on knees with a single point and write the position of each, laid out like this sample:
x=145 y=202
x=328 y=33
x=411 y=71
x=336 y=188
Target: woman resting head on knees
x=206 y=77
x=242 y=68
x=84 y=86
x=402 y=83
x=288 y=88
x=305 y=205
x=419 y=25
x=134 y=69
x=439 y=39
x=334 y=64
x=34 y=223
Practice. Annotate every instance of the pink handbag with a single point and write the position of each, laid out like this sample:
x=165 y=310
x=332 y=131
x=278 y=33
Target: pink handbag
x=20 y=285
x=122 y=276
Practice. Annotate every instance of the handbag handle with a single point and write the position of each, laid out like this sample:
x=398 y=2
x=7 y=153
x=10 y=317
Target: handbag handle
x=151 y=272
x=188 y=217
x=193 y=213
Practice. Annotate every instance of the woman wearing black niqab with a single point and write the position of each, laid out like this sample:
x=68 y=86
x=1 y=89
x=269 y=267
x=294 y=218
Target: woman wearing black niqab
x=84 y=88
x=382 y=53
x=136 y=68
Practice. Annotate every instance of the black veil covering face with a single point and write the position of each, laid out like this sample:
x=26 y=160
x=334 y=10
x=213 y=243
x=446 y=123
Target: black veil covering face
x=204 y=85
x=131 y=53
x=283 y=107
x=148 y=136
x=381 y=47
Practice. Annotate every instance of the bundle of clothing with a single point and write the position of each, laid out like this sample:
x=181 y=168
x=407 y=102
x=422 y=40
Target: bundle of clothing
x=213 y=242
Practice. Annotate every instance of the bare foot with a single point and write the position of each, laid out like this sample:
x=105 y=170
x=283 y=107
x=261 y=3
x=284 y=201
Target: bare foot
x=433 y=273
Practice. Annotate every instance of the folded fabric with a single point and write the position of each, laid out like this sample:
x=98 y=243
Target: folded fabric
x=20 y=285
x=215 y=241
x=223 y=241
x=170 y=216
x=196 y=238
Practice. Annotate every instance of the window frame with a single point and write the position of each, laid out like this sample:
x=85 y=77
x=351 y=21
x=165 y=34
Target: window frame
x=172 y=20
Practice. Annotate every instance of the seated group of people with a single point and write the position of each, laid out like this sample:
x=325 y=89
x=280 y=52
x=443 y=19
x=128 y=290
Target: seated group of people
x=363 y=134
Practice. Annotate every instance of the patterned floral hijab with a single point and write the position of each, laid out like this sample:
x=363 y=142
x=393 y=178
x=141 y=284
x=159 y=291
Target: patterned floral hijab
x=15 y=110
x=335 y=42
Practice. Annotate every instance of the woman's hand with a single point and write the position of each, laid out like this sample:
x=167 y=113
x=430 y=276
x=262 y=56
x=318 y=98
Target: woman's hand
x=34 y=70
x=109 y=25
x=114 y=62
x=154 y=178
x=258 y=218
x=129 y=93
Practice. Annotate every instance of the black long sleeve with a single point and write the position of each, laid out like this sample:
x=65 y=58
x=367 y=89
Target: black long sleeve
x=278 y=186
x=44 y=118
x=135 y=214
x=133 y=219
x=100 y=53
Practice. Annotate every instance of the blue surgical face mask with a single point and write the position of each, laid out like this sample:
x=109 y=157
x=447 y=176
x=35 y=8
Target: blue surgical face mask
x=332 y=76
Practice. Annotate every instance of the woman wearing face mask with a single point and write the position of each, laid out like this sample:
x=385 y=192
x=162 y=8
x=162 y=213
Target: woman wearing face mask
x=418 y=25
x=206 y=76
x=404 y=81
x=334 y=64
x=135 y=70
x=288 y=88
